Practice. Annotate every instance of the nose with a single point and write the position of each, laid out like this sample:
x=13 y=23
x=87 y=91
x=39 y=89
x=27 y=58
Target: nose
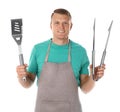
x=61 y=25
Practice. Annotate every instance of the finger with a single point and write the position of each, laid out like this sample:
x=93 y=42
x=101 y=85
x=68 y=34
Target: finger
x=100 y=74
x=21 y=67
x=21 y=74
x=103 y=66
x=21 y=70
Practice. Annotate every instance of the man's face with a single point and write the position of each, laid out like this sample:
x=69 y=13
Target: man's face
x=60 y=25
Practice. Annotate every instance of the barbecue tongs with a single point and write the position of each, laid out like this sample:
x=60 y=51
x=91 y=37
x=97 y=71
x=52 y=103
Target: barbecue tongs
x=104 y=52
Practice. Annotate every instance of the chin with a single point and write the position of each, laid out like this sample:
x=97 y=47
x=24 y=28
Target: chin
x=62 y=37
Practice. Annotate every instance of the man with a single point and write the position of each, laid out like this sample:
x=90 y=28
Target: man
x=61 y=66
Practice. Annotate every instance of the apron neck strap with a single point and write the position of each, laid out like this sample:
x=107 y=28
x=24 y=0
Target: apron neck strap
x=69 y=50
x=48 y=50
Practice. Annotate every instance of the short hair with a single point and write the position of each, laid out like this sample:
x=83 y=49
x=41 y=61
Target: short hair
x=62 y=11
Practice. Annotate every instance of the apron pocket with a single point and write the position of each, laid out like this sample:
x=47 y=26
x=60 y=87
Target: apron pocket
x=55 y=106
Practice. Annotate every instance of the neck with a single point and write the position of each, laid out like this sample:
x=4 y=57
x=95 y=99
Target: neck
x=60 y=41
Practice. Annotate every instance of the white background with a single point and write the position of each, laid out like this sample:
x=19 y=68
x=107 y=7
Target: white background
x=36 y=19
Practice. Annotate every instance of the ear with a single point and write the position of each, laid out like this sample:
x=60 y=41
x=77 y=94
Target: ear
x=71 y=26
x=51 y=25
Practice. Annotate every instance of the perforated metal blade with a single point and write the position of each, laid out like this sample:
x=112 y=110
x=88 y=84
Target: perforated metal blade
x=16 y=27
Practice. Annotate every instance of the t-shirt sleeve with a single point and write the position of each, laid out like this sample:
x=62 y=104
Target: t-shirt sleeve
x=85 y=64
x=32 y=68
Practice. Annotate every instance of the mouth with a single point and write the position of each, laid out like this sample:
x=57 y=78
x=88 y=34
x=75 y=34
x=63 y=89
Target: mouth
x=61 y=31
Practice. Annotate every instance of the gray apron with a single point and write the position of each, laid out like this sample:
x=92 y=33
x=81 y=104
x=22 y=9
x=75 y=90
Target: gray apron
x=57 y=88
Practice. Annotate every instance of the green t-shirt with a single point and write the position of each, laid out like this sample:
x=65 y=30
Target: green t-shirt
x=59 y=54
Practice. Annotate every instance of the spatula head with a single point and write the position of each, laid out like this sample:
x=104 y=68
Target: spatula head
x=16 y=27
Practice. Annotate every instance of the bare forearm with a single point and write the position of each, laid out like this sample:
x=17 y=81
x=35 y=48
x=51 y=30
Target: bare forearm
x=88 y=84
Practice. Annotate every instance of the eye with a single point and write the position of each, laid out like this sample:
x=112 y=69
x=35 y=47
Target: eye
x=65 y=23
x=56 y=23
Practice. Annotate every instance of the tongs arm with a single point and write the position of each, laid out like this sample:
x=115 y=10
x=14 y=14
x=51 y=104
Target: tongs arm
x=104 y=52
x=93 y=51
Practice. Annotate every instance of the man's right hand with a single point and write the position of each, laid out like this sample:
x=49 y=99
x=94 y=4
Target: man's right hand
x=22 y=73
x=21 y=70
